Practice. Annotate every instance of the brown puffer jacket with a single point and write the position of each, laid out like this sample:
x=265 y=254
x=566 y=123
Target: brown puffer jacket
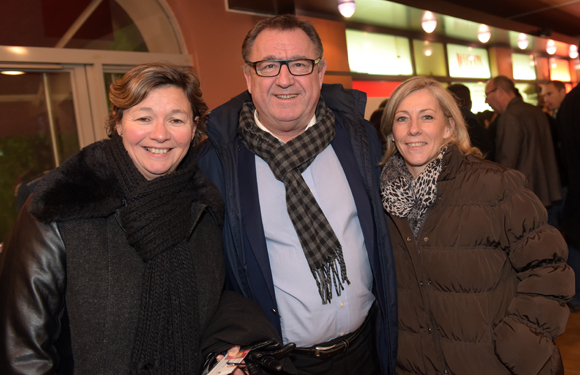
x=483 y=288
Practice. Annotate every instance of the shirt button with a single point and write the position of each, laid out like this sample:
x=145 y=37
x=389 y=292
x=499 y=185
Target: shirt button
x=342 y=334
x=342 y=304
x=408 y=239
x=421 y=283
x=426 y=239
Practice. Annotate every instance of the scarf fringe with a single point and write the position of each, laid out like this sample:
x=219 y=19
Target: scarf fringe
x=328 y=274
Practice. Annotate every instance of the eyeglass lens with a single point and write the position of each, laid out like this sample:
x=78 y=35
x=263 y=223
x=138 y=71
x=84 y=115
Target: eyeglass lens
x=296 y=67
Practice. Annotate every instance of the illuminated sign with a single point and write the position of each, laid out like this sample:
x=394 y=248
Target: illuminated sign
x=467 y=62
x=524 y=66
x=373 y=53
x=559 y=70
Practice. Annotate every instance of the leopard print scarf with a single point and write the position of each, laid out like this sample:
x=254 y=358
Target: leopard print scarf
x=405 y=196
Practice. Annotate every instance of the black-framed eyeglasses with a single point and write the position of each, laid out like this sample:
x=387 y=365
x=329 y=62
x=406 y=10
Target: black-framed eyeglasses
x=271 y=68
x=489 y=93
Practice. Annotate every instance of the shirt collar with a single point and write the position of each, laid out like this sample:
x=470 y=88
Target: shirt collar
x=261 y=126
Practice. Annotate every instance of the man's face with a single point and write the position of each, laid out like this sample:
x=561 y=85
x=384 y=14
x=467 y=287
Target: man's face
x=285 y=103
x=493 y=97
x=552 y=96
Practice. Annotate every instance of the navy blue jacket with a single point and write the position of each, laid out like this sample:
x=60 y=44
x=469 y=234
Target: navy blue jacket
x=231 y=167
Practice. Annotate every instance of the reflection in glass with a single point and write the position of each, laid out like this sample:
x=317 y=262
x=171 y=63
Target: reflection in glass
x=37 y=132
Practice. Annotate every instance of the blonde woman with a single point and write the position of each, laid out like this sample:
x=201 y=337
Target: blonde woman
x=482 y=279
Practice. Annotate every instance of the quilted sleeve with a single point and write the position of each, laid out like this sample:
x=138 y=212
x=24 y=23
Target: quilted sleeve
x=537 y=252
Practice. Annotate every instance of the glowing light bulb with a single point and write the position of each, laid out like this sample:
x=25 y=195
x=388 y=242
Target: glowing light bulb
x=523 y=41
x=484 y=33
x=573 y=51
x=551 y=47
x=346 y=7
x=428 y=22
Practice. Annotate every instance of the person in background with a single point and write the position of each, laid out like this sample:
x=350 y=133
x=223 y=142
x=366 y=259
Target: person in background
x=482 y=278
x=478 y=134
x=554 y=93
x=115 y=262
x=523 y=141
x=569 y=130
x=375 y=119
x=305 y=233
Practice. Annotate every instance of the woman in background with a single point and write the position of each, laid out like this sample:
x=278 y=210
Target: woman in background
x=482 y=279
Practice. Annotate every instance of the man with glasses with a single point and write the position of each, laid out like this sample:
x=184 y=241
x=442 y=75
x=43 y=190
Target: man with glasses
x=305 y=234
x=523 y=140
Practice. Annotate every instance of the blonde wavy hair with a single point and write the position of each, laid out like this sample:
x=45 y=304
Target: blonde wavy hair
x=459 y=135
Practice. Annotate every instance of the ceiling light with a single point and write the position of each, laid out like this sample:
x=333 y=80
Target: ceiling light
x=428 y=22
x=12 y=72
x=573 y=51
x=428 y=52
x=551 y=47
x=523 y=41
x=346 y=7
x=484 y=33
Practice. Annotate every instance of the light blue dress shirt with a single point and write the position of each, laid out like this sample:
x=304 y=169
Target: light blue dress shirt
x=304 y=319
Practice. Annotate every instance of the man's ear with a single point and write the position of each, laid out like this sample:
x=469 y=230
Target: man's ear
x=248 y=76
x=321 y=71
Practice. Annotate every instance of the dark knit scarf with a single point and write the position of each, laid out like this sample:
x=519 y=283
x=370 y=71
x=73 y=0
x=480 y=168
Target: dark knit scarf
x=287 y=162
x=156 y=218
x=405 y=196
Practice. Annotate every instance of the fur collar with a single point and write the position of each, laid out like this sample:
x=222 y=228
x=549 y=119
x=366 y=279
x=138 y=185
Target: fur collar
x=85 y=187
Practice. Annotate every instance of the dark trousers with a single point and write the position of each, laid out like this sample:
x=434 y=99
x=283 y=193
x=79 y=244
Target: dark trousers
x=361 y=357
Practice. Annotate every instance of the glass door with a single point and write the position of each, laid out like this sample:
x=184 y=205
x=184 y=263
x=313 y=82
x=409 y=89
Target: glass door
x=38 y=131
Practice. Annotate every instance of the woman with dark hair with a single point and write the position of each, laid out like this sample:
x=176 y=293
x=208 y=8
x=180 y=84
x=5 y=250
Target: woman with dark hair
x=482 y=279
x=115 y=263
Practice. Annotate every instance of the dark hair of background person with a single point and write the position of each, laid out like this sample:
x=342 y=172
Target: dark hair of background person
x=478 y=134
x=486 y=117
x=286 y=22
x=375 y=119
x=135 y=85
x=462 y=93
x=558 y=85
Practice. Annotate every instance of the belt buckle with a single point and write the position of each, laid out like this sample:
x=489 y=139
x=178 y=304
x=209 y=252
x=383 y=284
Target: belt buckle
x=322 y=351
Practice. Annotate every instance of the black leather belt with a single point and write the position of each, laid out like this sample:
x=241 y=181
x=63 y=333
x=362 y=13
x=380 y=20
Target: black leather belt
x=325 y=352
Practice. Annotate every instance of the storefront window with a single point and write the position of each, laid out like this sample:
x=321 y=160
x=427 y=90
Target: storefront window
x=429 y=58
x=374 y=53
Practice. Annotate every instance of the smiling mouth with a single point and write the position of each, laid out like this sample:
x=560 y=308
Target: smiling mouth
x=416 y=144
x=157 y=150
x=285 y=97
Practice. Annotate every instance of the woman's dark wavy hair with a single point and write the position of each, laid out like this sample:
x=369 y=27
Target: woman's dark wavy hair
x=136 y=84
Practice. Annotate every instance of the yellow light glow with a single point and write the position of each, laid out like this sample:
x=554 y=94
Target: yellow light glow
x=12 y=72
x=18 y=50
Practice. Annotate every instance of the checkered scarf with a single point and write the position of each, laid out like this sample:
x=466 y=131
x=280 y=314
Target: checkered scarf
x=287 y=162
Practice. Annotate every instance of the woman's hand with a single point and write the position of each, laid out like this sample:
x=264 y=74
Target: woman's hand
x=240 y=370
